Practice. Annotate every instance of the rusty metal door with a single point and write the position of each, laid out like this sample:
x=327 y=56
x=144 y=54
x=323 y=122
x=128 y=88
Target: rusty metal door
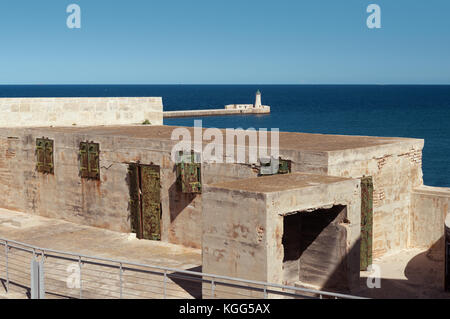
x=135 y=202
x=366 y=221
x=151 y=202
x=145 y=201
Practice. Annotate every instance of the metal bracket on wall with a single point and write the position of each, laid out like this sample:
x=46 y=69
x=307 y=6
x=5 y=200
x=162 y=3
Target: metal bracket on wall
x=272 y=166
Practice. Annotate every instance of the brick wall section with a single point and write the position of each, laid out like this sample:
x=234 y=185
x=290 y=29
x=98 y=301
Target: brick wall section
x=29 y=112
x=396 y=171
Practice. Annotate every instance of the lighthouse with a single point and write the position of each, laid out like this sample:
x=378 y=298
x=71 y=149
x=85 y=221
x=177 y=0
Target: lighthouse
x=258 y=100
x=257 y=107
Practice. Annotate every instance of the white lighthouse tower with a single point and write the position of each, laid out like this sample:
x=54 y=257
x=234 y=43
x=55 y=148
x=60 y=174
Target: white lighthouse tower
x=256 y=108
x=258 y=100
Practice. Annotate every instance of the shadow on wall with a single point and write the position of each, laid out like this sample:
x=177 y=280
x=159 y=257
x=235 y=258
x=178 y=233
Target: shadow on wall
x=178 y=201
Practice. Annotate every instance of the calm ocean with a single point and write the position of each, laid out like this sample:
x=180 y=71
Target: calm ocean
x=378 y=110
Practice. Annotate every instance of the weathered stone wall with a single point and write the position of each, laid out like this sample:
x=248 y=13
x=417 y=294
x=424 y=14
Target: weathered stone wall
x=103 y=203
x=396 y=170
x=29 y=112
x=234 y=236
x=430 y=206
x=395 y=166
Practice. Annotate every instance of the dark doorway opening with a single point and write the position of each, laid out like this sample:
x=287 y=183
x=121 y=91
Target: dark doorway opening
x=145 y=201
x=315 y=248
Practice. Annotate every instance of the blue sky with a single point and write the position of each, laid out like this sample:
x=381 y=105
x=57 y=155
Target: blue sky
x=224 y=42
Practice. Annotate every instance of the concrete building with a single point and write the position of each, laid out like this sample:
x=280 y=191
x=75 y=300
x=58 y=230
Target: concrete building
x=336 y=202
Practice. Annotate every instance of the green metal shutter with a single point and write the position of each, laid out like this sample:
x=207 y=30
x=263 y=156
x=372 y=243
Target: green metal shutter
x=44 y=156
x=151 y=202
x=366 y=222
x=189 y=174
x=94 y=160
x=135 y=210
x=90 y=160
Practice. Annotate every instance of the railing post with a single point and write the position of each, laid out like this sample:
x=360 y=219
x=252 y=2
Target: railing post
x=265 y=292
x=81 y=283
x=121 y=283
x=42 y=276
x=212 y=288
x=165 y=283
x=6 y=262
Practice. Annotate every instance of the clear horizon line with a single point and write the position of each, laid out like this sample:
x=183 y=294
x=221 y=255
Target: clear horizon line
x=228 y=84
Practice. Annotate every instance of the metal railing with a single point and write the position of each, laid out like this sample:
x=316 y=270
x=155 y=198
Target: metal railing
x=71 y=275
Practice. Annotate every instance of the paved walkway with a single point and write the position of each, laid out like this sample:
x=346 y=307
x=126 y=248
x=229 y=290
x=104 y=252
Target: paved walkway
x=409 y=274
x=69 y=237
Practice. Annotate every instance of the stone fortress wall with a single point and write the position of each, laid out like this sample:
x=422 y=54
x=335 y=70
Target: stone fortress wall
x=83 y=111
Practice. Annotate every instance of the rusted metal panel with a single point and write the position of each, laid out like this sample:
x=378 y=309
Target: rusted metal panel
x=366 y=222
x=145 y=201
x=84 y=166
x=48 y=157
x=134 y=204
x=285 y=166
x=94 y=160
x=190 y=177
x=189 y=174
x=90 y=160
x=44 y=155
x=151 y=202
x=40 y=155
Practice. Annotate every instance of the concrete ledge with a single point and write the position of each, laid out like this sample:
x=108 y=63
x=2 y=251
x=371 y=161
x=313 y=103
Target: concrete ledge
x=214 y=112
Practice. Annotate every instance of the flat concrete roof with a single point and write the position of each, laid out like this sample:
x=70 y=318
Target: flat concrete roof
x=288 y=140
x=277 y=183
